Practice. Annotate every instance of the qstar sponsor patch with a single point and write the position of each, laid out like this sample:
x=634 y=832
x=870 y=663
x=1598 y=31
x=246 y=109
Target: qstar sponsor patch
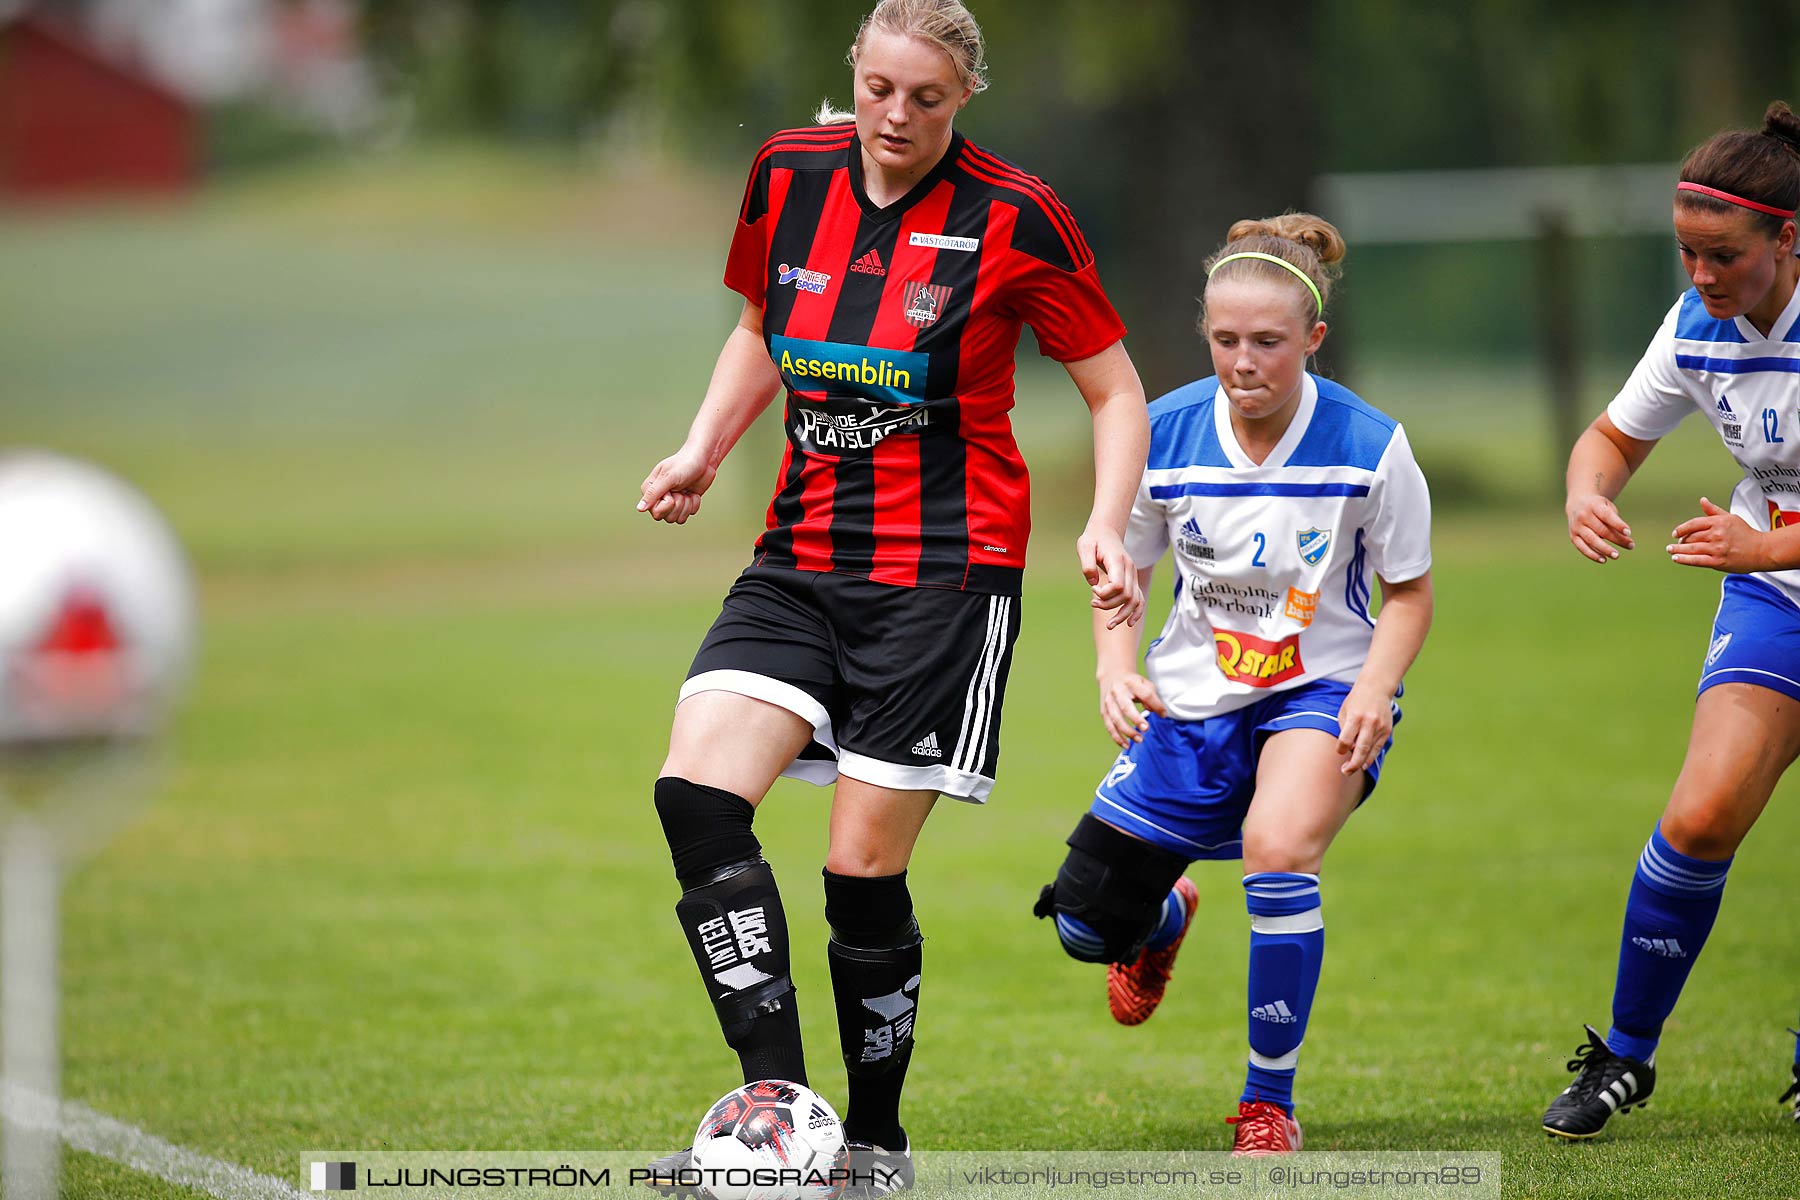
x=841 y=369
x=1257 y=662
x=805 y=280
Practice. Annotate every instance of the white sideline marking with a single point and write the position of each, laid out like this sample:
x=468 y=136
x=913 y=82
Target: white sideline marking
x=100 y=1135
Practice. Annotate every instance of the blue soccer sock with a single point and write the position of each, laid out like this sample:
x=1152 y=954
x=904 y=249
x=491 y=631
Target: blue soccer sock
x=1170 y=924
x=1673 y=902
x=1287 y=947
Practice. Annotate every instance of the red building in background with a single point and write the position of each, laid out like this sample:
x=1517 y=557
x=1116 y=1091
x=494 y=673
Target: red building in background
x=74 y=121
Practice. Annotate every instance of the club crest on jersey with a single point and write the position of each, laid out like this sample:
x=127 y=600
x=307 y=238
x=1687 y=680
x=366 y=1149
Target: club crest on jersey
x=1257 y=662
x=1191 y=542
x=924 y=302
x=805 y=280
x=1313 y=544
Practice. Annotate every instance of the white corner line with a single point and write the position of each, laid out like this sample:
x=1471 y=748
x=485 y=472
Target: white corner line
x=100 y=1135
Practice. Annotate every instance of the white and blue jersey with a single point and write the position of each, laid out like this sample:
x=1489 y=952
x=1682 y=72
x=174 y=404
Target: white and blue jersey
x=1274 y=562
x=1747 y=385
x=1274 y=566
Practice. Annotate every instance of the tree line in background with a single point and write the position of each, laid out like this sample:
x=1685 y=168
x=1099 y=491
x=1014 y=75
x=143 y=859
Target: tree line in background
x=1159 y=121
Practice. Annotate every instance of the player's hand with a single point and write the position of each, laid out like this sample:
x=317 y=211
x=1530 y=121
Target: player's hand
x=1112 y=576
x=1719 y=540
x=1365 y=720
x=1120 y=696
x=672 y=490
x=1596 y=527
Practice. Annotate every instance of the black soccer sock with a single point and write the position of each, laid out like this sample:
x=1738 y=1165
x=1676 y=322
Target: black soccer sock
x=875 y=956
x=730 y=910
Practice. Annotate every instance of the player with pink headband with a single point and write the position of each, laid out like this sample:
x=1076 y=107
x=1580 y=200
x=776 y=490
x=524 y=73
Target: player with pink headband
x=1731 y=349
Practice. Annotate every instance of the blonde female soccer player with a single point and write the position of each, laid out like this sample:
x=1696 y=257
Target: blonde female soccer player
x=1730 y=349
x=887 y=267
x=1279 y=497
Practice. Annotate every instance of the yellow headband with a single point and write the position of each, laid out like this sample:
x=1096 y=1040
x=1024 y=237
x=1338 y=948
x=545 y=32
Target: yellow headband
x=1280 y=262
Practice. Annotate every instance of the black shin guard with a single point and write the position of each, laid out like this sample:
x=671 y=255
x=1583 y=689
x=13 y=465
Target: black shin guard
x=1114 y=884
x=875 y=956
x=730 y=910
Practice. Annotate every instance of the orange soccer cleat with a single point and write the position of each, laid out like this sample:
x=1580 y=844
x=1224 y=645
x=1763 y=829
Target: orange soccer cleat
x=1263 y=1129
x=1133 y=991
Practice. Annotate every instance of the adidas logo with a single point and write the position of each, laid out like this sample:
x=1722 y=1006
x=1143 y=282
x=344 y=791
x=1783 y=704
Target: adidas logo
x=1667 y=947
x=869 y=264
x=1193 y=543
x=1277 y=1012
x=927 y=747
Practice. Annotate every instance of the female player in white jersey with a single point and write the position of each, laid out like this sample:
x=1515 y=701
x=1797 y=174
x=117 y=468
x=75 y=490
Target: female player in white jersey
x=1271 y=688
x=1731 y=349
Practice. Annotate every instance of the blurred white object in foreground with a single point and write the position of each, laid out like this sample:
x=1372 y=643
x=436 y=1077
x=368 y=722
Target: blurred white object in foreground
x=96 y=611
x=96 y=633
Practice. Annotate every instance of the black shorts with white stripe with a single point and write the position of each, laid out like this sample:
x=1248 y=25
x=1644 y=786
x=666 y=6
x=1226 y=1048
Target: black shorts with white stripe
x=902 y=686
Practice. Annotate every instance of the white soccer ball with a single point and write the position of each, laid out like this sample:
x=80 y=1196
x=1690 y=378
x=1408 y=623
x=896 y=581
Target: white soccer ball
x=770 y=1140
x=96 y=609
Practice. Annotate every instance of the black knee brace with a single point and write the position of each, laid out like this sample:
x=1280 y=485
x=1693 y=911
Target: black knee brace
x=1114 y=884
x=730 y=908
x=875 y=955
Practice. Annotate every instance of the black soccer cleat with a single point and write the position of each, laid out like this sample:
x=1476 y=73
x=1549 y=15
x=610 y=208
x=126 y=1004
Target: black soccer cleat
x=1605 y=1083
x=875 y=1171
x=666 y=1172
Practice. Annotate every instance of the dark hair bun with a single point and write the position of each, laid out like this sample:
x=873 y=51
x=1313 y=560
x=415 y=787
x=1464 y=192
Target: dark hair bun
x=1780 y=123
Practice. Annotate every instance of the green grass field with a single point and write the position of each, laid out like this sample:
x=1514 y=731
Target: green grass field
x=403 y=887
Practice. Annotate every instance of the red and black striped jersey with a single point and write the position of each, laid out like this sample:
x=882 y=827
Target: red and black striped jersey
x=895 y=331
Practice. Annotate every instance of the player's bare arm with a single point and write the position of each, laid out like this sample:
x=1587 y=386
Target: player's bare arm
x=1109 y=384
x=1124 y=692
x=744 y=380
x=1366 y=717
x=1603 y=461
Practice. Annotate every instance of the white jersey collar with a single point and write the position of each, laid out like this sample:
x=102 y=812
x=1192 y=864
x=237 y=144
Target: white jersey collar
x=1779 y=331
x=1309 y=400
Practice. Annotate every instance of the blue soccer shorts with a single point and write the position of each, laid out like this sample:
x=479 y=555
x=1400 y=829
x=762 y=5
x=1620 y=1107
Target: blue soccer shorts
x=1188 y=784
x=1755 y=638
